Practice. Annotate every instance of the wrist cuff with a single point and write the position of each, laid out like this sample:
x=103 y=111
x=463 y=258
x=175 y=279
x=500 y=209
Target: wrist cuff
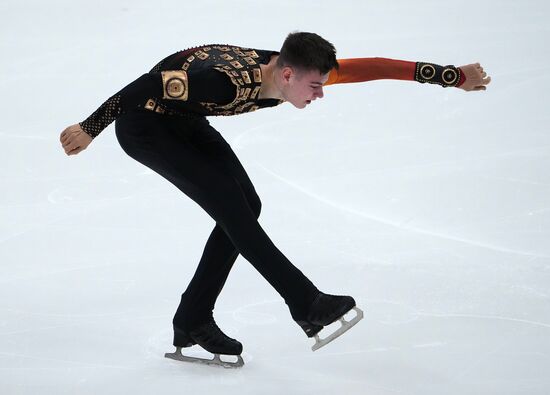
x=435 y=74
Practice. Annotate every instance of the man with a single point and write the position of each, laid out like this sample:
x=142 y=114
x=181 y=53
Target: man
x=160 y=122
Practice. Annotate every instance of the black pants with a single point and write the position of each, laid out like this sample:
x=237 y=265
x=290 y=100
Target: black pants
x=194 y=157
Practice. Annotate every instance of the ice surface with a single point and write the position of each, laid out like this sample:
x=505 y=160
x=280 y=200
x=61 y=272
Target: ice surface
x=430 y=206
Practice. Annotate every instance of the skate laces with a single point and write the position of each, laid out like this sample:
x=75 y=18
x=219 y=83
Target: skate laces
x=210 y=329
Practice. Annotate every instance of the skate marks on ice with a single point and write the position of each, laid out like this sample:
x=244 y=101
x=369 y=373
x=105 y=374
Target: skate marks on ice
x=388 y=312
x=345 y=326
x=399 y=225
x=246 y=315
x=215 y=361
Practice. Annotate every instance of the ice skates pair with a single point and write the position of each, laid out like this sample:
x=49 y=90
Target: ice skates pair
x=325 y=310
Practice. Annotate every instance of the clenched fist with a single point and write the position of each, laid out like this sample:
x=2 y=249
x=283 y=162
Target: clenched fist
x=476 y=78
x=74 y=139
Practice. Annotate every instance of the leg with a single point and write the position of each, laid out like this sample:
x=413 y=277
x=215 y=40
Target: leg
x=153 y=140
x=197 y=303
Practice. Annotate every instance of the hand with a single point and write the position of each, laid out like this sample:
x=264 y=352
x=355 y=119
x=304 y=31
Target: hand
x=74 y=139
x=476 y=78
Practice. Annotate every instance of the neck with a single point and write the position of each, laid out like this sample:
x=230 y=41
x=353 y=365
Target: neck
x=269 y=89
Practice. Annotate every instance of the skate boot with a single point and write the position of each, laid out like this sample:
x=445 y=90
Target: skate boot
x=325 y=310
x=210 y=337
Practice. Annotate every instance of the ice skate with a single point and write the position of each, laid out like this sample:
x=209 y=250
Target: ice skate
x=210 y=337
x=325 y=310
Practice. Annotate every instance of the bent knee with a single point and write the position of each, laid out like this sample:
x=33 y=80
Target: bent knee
x=230 y=191
x=255 y=204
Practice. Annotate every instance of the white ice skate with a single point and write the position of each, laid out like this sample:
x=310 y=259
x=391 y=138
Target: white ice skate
x=346 y=326
x=216 y=361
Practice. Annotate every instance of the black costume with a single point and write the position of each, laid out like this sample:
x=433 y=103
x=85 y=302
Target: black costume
x=160 y=122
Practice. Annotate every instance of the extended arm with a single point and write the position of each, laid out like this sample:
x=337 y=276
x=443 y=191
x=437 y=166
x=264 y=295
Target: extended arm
x=208 y=85
x=77 y=137
x=468 y=77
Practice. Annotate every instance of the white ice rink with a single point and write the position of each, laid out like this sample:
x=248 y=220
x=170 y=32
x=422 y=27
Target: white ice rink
x=430 y=206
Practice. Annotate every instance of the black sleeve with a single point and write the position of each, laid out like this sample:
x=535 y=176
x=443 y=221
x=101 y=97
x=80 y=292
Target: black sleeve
x=206 y=85
x=131 y=96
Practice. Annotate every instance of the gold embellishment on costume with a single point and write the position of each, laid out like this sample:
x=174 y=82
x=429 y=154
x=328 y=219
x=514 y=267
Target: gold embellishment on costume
x=209 y=106
x=160 y=110
x=185 y=66
x=449 y=76
x=242 y=67
x=206 y=49
x=175 y=85
x=257 y=75
x=246 y=77
x=201 y=55
x=150 y=105
x=245 y=93
x=255 y=92
x=190 y=58
x=242 y=108
x=427 y=71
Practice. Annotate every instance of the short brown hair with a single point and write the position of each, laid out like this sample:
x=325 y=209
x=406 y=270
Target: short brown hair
x=308 y=51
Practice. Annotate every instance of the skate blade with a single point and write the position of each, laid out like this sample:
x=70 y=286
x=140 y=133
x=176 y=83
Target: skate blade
x=346 y=326
x=216 y=361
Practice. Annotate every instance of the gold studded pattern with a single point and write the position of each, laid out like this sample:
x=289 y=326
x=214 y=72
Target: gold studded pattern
x=241 y=65
x=257 y=75
x=427 y=72
x=150 y=105
x=246 y=77
x=435 y=74
x=201 y=55
x=449 y=76
x=175 y=85
x=236 y=64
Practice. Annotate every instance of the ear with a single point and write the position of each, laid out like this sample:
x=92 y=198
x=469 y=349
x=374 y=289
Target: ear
x=286 y=74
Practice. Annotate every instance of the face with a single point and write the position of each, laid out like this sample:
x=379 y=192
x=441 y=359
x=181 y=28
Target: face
x=301 y=87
